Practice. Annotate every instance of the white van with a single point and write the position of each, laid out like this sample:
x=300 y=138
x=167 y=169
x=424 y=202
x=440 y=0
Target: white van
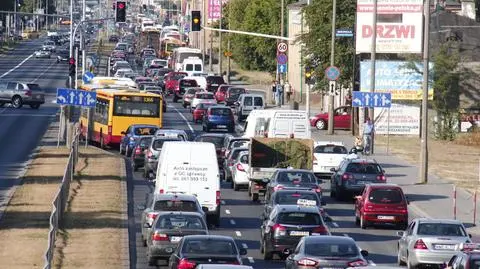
x=277 y=124
x=191 y=168
x=192 y=65
x=247 y=103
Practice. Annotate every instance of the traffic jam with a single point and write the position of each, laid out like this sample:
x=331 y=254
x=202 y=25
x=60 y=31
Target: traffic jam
x=267 y=154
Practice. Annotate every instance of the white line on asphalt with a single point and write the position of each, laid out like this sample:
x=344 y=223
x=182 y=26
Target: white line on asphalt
x=251 y=260
x=244 y=246
x=227 y=211
x=222 y=202
x=26 y=115
x=43 y=73
x=183 y=117
x=17 y=66
x=335 y=224
x=371 y=263
x=232 y=222
x=346 y=235
x=238 y=233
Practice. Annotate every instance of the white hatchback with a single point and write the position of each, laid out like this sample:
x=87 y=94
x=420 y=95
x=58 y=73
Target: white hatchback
x=240 y=171
x=328 y=155
x=202 y=98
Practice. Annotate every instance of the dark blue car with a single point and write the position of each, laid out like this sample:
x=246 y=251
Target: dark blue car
x=132 y=134
x=220 y=118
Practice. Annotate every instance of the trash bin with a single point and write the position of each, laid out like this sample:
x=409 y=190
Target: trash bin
x=294 y=105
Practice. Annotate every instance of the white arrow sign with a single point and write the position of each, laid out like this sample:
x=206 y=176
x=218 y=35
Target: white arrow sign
x=282 y=68
x=72 y=97
x=80 y=98
x=385 y=100
x=90 y=100
x=367 y=99
x=375 y=100
x=61 y=100
x=357 y=101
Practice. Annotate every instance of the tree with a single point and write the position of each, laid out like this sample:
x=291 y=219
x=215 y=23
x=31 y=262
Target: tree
x=317 y=40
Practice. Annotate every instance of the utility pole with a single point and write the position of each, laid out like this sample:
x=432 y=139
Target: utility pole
x=82 y=38
x=228 y=60
x=68 y=111
x=15 y=16
x=220 y=41
x=204 y=32
x=331 y=96
x=424 y=131
x=210 y=62
x=373 y=55
x=282 y=20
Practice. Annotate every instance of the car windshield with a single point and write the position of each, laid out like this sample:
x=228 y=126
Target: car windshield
x=288 y=198
x=235 y=153
x=385 y=196
x=221 y=111
x=204 y=96
x=299 y=218
x=158 y=143
x=331 y=149
x=364 y=168
x=145 y=130
x=174 y=221
x=211 y=247
x=175 y=205
x=216 y=140
x=331 y=249
x=238 y=144
x=295 y=178
x=441 y=229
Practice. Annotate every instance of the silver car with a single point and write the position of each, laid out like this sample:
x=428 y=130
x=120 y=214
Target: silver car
x=43 y=53
x=152 y=154
x=430 y=241
x=19 y=94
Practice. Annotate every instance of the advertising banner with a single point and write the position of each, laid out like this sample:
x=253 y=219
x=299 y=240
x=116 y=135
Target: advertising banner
x=399 y=26
x=215 y=9
x=396 y=78
x=404 y=120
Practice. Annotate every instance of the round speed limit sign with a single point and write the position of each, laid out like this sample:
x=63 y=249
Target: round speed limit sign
x=282 y=47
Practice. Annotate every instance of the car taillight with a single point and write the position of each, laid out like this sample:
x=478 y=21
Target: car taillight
x=317 y=189
x=357 y=263
x=402 y=209
x=322 y=230
x=347 y=176
x=218 y=197
x=159 y=237
x=278 y=187
x=28 y=93
x=109 y=129
x=162 y=191
x=235 y=262
x=149 y=154
x=279 y=230
x=186 y=264
x=419 y=244
x=307 y=262
x=240 y=167
x=381 y=177
x=367 y=207
x=138 y=150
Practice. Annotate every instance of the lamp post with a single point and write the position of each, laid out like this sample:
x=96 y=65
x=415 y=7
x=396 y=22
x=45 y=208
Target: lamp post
x=332 y=63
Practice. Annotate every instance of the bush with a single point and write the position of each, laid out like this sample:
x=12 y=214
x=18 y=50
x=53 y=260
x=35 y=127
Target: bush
x=469 y=139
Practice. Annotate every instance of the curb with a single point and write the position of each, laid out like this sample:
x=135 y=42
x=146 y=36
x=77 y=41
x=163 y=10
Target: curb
x=125 y=238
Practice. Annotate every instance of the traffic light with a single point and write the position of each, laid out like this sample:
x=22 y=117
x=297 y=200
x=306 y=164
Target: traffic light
x=196 y=21
x=121 y=12
x=309 y=78
x=72 y=67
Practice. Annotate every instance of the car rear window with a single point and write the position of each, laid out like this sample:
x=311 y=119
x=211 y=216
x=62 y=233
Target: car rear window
x=216 y=140
x=188 y=83
x=210 y=247
x=175 y=205
x=180 y=222
x=332 y=149
x=235 y=153
x=204 y=96
x=34 y=87
x=204 y=106
x=221 y=111
x=443 y=229
x=191 y=91
x=364 y=168
x=158 y=144
x=145 y=130
x=248 y=101
x=236 y=91
x=288 y=198
x=215 y=80
x=178 y=76
x=258 y=101
x=299 y=218
x=292 y=177
x=331 y=249
x=385 y=196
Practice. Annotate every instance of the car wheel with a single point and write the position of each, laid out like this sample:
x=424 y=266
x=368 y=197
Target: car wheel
x=235 y=186
x=35 y=106
x=255 y=197
x=128 y=151
x=175 y=99
x=321 y=125
x=267 y=255
x=17 y=102
x=363 y=223
x=399 y=258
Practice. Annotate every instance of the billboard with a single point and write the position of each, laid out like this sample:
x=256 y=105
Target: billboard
x=404 y=120
x=215 y=9
x=399 y=26
x=394 y=77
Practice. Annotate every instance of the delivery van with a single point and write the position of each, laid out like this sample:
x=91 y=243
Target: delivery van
x=191 y=168
x=277 y=124
x=192 y=66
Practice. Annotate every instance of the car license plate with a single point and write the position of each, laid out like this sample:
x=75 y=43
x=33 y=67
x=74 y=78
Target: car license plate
x=361 y=182
x=175 y=238
x=222 y=126
x=444 y=247
x=38 y=96
x=386 y=217
x=299 y=233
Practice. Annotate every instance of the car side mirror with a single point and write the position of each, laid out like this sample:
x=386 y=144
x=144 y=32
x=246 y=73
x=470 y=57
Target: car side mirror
x=364 y=253
x=243 y=251
x=147 y=225
x=400 y=233
x=205 y=209
x=266 y=180
x=333 y=169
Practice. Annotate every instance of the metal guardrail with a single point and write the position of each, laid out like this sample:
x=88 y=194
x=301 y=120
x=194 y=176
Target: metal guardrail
x=60 y=201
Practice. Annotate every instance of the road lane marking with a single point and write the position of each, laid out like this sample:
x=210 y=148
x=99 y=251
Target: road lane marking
x=244 y=246
x=335 y=224
x=251 y=260
x=232 y=222
x=238 y=233
x=227 y=211
x=372 y=263
x=17 y=66
x=43 y=73
x=183 y=117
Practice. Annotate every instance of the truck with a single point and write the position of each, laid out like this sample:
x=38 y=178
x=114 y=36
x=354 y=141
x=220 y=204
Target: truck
x=266 y=155
x=149 y=38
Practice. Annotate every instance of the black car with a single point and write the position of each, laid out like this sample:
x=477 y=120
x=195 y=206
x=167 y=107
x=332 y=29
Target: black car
x=113 y=38
x=63 y=56
x=293 y=179
x=138 y=153
x=213 y=82
x=206 y=249
x=217 y=139
x=167 y=231
x=293 y=197
x=286 y=225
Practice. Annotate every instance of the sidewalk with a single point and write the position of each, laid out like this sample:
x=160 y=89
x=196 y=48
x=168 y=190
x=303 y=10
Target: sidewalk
x=432 y=200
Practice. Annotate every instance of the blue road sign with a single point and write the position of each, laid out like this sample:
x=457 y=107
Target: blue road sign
x=87 y=77
x=282 y=68
x=344 y=33
x=372 y=99
x=282 y=58
x=72 y=97
x=332 y=73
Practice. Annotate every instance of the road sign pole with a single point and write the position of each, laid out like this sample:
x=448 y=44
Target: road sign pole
x=88 y=129
x=228 y=61
x=307 y=101
x=373 y=55
x=388 y=131
x=60 y=125
x=332 y=63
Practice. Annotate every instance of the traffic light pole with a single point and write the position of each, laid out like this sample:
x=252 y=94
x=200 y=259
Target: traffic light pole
x=332 y=63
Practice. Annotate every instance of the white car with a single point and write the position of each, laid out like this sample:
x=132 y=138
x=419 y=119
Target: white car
x=122 y=71
x=240 y=171
x=159 y=62
x=43 y=54
x=121 y=65
x=328 y=155
x=49 y=45
x=203 y=98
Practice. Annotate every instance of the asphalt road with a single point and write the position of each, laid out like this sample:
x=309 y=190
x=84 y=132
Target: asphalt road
x=240 y=217
x=22 y=129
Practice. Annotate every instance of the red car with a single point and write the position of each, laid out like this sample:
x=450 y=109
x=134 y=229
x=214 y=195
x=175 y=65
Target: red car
x=199 y=111
x=171 y=80
x=221 y=92
x=341 y=119
x=381 y=204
